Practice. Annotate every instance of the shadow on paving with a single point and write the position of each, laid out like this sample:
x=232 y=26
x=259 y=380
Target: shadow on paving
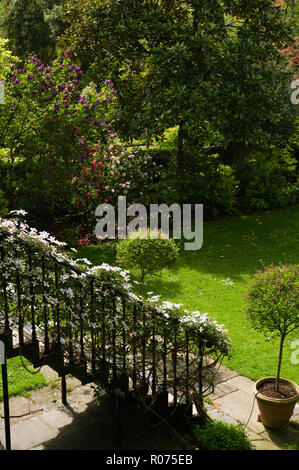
x=96 y=429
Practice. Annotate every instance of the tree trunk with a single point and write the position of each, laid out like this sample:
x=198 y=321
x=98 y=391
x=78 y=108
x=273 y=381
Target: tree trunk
x=141 y=282
x=181 y=162
x=180 y=150
x=279 y=363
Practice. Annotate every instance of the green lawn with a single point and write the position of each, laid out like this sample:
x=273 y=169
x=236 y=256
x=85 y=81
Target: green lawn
x=212 y=280
x=19 y=380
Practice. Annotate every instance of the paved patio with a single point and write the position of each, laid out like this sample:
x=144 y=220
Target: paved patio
x=41 y=422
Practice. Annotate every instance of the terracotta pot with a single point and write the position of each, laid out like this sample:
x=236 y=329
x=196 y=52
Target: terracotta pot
x=275 y=413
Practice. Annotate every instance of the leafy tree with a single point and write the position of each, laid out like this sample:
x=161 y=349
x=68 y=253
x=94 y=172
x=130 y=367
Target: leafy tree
x=211 y=67
x=32 y=27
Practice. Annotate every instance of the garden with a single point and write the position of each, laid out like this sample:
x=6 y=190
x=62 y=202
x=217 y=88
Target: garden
x=166 y=105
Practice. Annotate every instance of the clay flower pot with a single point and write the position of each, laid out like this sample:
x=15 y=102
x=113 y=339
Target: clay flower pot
x=275 y=413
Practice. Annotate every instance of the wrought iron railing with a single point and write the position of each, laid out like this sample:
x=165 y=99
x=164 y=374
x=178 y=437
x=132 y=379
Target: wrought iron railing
x=86 y=321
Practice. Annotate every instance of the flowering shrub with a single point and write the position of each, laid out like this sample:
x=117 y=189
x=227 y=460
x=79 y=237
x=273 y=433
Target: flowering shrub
x=6 y=58
x=272 y=303
x=92 y=315
x=111 y=171
x=50 y=127
x=214 y=335
x=17 y=236
x=63 y=152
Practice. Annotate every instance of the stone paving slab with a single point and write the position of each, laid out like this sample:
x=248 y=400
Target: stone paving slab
x=57 y=419
x=238 y=405
x=242 y=383
x=20 y=408
x=49 y=373
x=224 y=374
x=221 y=390
x=29 y=433
x=43 y=423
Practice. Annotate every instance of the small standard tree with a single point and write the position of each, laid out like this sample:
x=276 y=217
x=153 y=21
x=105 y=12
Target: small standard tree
x=146 y=253
x=273 y=304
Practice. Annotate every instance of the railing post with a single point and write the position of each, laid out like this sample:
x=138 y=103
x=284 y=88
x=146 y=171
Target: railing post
x=154 y=380
x=5 y=395
x=63 y=390
x=187 y=367
x=46 y=333
x=92 y=315
x=200 y=368
x=6 y=309
x=32 y=308
x=134 y=347
x=175 y=393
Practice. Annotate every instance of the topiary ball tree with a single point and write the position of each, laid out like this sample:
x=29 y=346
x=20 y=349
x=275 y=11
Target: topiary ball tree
x=148 y=251
x=272 y=303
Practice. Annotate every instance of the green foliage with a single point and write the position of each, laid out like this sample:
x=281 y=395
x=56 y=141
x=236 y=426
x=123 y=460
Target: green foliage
x=211 y=182
x=149 y=252
x=32 y=27
x=3 y=204
x=293 y=446
x=20 y=380
x=194 y=64
x=6 y=58
x=46 y=130
x=112 y=171
x=218 y=435
x=212 y=280
x=268 y=179
x=272 y=301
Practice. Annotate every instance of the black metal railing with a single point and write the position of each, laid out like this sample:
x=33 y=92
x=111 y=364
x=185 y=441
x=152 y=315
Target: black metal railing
x=90 y=325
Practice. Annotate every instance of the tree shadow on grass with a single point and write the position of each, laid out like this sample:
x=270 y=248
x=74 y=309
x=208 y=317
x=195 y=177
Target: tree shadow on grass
x=234 y=247
x=238 y=246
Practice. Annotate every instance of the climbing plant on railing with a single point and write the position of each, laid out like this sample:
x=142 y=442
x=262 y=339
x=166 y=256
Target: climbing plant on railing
x=89 y=319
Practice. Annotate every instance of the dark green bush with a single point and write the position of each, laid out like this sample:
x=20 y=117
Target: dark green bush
x=148 y=252
x=268 y=180
x=3 y=204
x=221 y=436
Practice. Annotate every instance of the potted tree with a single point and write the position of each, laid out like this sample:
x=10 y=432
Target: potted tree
x=272 y=306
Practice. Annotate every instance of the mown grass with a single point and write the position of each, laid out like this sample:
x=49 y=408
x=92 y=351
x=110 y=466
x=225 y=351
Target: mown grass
x=212 y=280
x=20 y=381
